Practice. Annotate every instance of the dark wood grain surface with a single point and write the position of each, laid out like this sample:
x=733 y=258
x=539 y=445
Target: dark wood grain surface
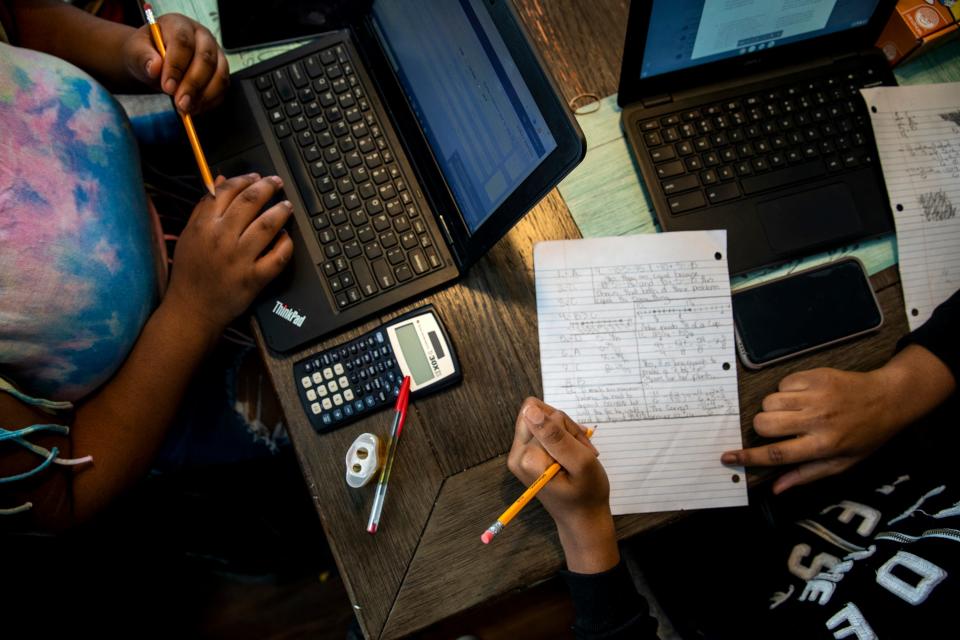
x=450 y=480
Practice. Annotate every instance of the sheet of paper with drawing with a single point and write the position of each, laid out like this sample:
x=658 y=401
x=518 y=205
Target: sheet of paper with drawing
x=636 y=337
x=918 y=135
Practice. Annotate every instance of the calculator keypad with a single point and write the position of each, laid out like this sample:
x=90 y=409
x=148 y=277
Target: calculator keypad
x=348 y=382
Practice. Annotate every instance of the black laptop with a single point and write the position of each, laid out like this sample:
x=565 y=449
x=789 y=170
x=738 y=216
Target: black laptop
x=410 y=141
x=747 y=116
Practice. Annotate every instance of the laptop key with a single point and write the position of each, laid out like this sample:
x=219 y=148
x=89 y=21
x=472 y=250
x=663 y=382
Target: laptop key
x=325 y=184
x=395 y=256
x=419 y=261
x=318 y=168
x=383 y=274
x=669 y=169
x=676 y=185
x=298 y=76
x=726 y=172
x=269 y=98
x=303 y=181
x=408 y=239
x=364 y=277
x=352 y=249
x=313 y=67
x=783 y=177
x=365 y=232
x=433 y=257
x=282 y=82
x=663 y=153
x=388 y=239
x=686 y=202
x=723 y=192
x=403 y=273
x=652 y=139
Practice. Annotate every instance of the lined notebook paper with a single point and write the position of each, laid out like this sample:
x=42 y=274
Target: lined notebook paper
x=636 y=337
x=918 y=136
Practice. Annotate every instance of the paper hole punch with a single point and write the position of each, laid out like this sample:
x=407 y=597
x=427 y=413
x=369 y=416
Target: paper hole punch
x=363 y=460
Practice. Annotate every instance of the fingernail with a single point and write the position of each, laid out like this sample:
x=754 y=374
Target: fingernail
x=253 y=176
x=185 y=103
x=146 y=67
x=276 y=180
x=287 y=204
x=533 y=414
x=729 y=458
x=171 y=85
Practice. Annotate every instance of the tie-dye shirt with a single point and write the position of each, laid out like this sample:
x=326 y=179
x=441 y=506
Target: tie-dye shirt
x=78 y=259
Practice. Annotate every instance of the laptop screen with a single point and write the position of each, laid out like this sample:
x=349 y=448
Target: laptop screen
x=688 y=33
x=481 y=120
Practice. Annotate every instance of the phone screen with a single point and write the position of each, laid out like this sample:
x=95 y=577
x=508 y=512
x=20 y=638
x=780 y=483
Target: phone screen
x=804 y=311
x=245 y=24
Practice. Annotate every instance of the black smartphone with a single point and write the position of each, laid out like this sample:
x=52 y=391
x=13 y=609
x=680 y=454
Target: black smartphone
x=245 y=24
x=804 y=311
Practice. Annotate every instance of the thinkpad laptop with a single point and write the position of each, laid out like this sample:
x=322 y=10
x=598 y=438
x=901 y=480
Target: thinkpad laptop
x=747 y=116
x=409 y=143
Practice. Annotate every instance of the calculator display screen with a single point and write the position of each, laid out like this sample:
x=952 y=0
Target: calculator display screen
x=413 y=353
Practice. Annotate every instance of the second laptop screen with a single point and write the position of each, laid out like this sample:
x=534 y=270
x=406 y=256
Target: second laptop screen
x=481 y=120
x=688 y=33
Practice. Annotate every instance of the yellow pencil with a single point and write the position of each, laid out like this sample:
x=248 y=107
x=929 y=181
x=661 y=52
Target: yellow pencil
x=522 y=501
x=187 y=120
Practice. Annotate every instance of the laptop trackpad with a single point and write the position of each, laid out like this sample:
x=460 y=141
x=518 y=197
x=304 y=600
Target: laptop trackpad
x=809 y=218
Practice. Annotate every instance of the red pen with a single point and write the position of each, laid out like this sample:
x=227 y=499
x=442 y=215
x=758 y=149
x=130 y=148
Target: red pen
x=403 y=399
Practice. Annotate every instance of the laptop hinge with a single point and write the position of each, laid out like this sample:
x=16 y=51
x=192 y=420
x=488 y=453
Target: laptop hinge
x=847 y=56
x=450 y=243
x=656 y=100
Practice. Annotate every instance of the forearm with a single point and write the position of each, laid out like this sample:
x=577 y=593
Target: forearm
x=62 y=30
x=589 y=543
x=915 y=382
x=123 y=424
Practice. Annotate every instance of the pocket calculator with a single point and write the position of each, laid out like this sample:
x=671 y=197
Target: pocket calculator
x=352 y=380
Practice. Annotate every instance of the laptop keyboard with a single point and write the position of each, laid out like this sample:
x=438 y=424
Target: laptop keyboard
x=370 y=230
x=744 y=145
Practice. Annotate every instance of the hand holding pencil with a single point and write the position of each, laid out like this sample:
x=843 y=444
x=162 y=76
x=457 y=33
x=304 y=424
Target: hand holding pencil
x=578 y=496
x=174 y=82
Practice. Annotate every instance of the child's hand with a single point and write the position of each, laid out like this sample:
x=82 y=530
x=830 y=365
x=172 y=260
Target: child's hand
x=194 y=72
x=833 y=419
x=224 y=256
x=578 y=497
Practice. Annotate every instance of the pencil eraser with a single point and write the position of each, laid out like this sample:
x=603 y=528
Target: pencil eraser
x=147 y=6
x=487 y=537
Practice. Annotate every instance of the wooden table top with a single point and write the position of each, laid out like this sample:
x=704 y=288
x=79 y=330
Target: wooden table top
x=450 y=480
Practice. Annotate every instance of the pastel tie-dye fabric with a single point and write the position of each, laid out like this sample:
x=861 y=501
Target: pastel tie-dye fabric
x=78 y=261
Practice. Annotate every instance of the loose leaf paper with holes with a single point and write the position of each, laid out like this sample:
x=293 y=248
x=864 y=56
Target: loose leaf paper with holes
x=918 y=135
x=636 y=337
